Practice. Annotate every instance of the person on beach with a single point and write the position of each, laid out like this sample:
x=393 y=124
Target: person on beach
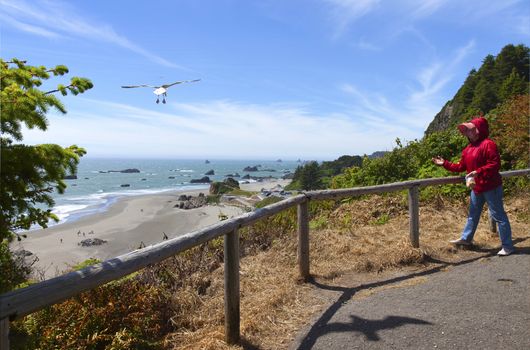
x=481 y=161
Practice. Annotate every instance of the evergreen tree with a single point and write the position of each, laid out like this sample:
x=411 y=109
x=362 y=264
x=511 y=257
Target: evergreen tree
x=310 y=177
x=512 y=57
x=514 y=84
x=335 y=167
x=484 y=98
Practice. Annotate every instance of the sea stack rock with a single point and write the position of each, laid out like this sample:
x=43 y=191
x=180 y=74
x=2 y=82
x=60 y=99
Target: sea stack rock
x=202 y=180
x=129 y=171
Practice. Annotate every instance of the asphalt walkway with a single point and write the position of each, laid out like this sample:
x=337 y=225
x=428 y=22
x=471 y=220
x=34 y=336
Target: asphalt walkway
x=482 y=303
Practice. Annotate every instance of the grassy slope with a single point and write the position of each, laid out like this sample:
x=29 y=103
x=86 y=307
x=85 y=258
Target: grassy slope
x=354 y=241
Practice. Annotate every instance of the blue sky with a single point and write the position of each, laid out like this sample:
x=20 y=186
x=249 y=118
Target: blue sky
x=312 y=79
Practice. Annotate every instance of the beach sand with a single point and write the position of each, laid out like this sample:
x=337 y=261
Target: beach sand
x=125 y=225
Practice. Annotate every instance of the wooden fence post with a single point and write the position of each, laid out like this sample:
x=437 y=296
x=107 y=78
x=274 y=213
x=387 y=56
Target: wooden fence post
x=4 y=334
x=493 y=223
x=231 y=263
x=303 y=240
x=414 y=216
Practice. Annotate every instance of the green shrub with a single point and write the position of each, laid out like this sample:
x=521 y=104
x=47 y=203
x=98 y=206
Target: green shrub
x=86 y=263
x=267 y=201
x=213 y=199
x=383 y=219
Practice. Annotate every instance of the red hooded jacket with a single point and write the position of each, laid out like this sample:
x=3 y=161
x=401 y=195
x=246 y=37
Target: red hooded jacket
x=481 y=156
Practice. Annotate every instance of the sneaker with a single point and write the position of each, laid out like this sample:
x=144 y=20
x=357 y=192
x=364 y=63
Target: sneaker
x=505 y=251
x=460 y=241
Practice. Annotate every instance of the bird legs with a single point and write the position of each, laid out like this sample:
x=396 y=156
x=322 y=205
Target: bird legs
x=163 y=99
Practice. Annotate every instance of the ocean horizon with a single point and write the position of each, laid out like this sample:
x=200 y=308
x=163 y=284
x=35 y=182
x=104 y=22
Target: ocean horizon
x=100 y=182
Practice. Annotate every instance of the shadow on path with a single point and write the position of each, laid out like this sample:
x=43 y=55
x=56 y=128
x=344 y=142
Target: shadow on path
x=370 y=327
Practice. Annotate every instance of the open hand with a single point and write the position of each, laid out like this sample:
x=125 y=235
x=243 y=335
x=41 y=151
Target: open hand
x=438 y=160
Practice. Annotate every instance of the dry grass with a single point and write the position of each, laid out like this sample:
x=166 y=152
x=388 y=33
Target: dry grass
x=275 y=304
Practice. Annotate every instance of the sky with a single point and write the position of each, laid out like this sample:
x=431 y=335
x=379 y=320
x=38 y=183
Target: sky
x=288 y=79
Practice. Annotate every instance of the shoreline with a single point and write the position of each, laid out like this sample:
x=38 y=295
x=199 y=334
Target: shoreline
x=128 y=223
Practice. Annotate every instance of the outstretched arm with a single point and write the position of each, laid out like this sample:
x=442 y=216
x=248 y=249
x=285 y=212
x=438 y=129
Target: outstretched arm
x=454 y=167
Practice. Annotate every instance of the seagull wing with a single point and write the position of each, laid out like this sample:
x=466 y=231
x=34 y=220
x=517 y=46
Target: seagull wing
x=165 y=86
x=137 y=86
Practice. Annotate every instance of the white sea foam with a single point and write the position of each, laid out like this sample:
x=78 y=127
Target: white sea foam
x=64 y=211
x=247 y=181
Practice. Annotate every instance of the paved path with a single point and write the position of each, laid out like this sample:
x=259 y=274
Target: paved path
x=478 y=304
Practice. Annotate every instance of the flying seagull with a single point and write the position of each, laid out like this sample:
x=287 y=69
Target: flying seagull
x=160 y=90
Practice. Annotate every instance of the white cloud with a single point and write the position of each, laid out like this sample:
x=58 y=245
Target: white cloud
x=425 y=8
x=345 y=12
x=215 y=129
x=363 y=44
x=59 y=20
x=29 y=28
x=410 y=116
x=232 y=129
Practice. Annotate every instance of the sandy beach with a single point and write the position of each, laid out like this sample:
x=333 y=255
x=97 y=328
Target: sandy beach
x=127 y=224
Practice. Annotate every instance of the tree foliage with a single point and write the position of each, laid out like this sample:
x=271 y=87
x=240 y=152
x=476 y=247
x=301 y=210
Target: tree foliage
x=510 y=129
x=30 y=173
x=307 y=177
x=335 y=167
x=304 y=175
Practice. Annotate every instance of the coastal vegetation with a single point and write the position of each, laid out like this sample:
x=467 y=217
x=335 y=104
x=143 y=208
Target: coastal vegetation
x=30 y=173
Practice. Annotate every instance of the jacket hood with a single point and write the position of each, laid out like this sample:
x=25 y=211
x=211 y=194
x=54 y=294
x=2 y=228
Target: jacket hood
x=482 y=126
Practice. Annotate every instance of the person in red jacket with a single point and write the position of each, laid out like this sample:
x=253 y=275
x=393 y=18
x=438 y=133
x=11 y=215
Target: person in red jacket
x=481 y=161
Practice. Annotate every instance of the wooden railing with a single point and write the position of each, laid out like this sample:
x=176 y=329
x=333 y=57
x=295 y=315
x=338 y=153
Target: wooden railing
x=21 y=302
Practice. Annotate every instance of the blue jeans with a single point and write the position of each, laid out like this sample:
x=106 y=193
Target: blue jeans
x=496 y=209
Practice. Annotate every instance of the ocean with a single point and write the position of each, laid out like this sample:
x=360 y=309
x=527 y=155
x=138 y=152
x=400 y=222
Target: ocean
x=95 y=188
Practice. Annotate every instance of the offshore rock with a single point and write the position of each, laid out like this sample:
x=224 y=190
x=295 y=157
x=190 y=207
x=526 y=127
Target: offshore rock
x=202 y=180
x=251 y=168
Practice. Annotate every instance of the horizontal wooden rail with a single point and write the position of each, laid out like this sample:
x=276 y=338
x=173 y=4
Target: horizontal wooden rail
x=24 y=301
